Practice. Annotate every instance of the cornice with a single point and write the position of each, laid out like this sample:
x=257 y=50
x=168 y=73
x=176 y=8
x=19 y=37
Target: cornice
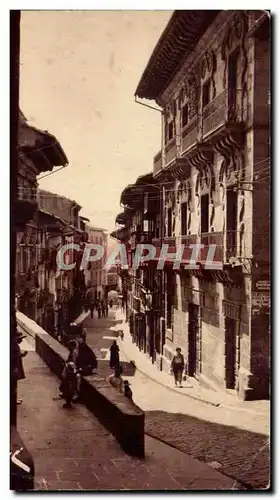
x=208 y=41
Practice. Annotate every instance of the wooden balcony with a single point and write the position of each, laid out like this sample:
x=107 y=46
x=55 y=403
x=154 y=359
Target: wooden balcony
x=170 y=152
x=231 y=245
x=224 y=111
x=209 y=239
x=189 y=135
x=158 y=162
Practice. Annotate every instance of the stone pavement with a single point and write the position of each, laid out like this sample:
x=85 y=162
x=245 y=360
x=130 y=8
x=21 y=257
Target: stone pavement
x=191 y=388
x=73 y=451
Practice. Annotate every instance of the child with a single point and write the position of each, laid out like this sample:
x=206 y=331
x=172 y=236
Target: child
x=70 y=383
x=126 y=389
x=116 y=379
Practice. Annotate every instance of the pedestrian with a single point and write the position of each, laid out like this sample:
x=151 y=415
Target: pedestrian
x=111 y=304
x=72 y=358
x=116 y=378
x=21 y=354
x=91 y=308
x=177 y=366
x=106 y=309
x=126 y=390
x=103 y=308
x=114 y=355
x=99 y=309
x=70 y=383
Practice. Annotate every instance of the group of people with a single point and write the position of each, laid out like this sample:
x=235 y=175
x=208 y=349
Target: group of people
x=81 y=360
x=101 y=306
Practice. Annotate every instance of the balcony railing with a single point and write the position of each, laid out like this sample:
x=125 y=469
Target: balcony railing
x=170 y=151
x=146 y=237
x=208 y=239
x=158 y=162
x=225 y=108
x=189 y=135
x=231 y=244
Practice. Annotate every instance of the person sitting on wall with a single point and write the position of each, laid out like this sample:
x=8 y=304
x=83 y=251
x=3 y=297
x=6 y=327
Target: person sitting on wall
x=126 y=390
x=86 y=359
x=116 y=379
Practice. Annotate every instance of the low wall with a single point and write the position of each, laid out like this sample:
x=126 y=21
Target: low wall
x=118 y=414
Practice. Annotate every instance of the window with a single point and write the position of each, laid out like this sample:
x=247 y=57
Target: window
x=146 y=226
x=185 y=115
x=232 y=70
x=231 y=210
x=206 y=93
x=184 y=208
x=231 y=222
x=157 y=232
x=170 y=131
x=169 y=222
x=204 y=221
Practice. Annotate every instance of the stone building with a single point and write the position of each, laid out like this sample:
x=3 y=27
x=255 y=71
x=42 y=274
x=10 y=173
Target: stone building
x=210 y=76
x=96 y=274
x=38 y=152
x=62 y=292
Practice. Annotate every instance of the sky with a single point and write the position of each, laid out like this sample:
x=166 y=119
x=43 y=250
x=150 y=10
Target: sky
x=78 y=74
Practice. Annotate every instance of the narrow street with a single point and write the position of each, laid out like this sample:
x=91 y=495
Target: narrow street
x=73 y=451
x=235 y=441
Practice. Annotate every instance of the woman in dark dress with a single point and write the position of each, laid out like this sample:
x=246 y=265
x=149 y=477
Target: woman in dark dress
x=114 y=355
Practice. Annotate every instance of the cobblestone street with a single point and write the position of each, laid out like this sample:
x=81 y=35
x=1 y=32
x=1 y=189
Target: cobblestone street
x=236 y=440
x=73 y=451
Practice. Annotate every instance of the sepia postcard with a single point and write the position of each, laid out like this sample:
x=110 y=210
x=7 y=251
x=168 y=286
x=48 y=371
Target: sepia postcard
x=140 y=159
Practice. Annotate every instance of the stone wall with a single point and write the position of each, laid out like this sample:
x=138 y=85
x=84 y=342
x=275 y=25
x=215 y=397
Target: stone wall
x=213 y=353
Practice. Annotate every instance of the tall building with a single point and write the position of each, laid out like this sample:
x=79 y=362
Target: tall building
x=96 y=273
x=210 y=76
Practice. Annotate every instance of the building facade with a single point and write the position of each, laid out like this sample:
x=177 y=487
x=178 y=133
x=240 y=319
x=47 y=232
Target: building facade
x=210 y=76
x=38 y=152
x=96 y=273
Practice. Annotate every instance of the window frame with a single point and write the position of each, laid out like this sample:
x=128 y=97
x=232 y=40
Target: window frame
x=202 y=216
x=206 y=84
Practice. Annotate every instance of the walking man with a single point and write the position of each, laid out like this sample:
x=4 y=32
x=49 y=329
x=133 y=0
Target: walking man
x=177 y=367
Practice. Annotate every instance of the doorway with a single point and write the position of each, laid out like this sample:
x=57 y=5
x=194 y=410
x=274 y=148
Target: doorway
x=230 y=354
x=194 y=339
